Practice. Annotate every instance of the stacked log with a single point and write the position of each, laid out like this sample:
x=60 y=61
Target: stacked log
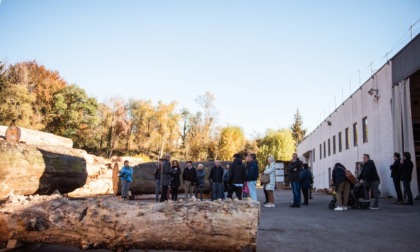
x=144 y=177
x=28 y=169
x=107 y=222
x=39 y=138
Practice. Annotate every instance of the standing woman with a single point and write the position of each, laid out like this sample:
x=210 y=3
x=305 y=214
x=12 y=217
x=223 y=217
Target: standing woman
x=406 y=171
x=305 y=179
x=176 y=181
x=126 y=176
x=157 y=178
x=270 y=169
x=200 y=181
x=342 y=186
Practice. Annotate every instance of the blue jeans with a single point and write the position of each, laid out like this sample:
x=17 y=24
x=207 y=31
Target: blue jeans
x=125 y=187
x=296 y=193
x=216 y=190
x=252 y=187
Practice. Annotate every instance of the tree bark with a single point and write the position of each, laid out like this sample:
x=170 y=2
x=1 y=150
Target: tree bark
x=144 y=177
x=117 y=225
x=28 y=169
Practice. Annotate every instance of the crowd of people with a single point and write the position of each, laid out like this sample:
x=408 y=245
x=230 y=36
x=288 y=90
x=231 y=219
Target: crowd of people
x=240 y=178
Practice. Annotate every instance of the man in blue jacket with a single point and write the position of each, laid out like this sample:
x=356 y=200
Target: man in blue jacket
x=252 y=176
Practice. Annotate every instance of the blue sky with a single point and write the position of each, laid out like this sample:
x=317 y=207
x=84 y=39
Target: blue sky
x=261 y=59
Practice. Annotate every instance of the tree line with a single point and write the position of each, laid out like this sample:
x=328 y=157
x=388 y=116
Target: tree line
x=40 y=99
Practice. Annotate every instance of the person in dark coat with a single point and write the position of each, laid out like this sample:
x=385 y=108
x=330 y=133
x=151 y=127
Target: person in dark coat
x=342 y=186
x=369 y=178
x=406 y=173
x=216 y=181
x=165 y=178
x=237 y=176
x=252 y=176
x=201 y=183
x=157 y=178
x=293 y=170
x=305 y=178
x=189 y=177
x=396 y=175
x=176 y=181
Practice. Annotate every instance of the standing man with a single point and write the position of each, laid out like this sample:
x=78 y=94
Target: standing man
x=216 y=181
x=395 y=175
x=237 y=176
x=165 y=178
x=189 y=176
x=294 y=169
x=369 y=178
x=406 y=174
x=252 y=176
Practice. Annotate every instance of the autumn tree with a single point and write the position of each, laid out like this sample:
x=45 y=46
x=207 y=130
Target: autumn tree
x=40 y=83
x=279 y=143
x=232 y=140
x=15 y=100
x=298 y=132
x=74 y=115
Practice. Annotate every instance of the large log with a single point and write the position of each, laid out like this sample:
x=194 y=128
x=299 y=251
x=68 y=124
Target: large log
x=28 y=169
x=144 y=177
x=117 y=225
x=39 y=138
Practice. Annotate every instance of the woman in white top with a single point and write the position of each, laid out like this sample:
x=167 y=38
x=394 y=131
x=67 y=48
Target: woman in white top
x=270 y=169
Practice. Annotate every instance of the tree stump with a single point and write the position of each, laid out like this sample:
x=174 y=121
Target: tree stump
x=106 y=222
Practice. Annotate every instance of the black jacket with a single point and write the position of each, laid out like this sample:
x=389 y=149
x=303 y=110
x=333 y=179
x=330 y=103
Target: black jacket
x=395 y=169
x=369 y=173
x=294 y=175
x=237 y=172
x=216 y=174
x=252 y=173
x=176 y=181
x=338 y=174
x=190 y=174
x=157 y=172
x=406 y=170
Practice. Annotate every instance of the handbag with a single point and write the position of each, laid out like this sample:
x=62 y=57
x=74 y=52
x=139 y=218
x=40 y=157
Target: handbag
x=350 y=177
x=265 y=179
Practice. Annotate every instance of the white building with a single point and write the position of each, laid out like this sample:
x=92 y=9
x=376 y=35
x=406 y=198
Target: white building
x=380 y=118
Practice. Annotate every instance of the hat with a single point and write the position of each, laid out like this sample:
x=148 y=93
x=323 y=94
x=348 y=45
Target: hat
x=237 y=155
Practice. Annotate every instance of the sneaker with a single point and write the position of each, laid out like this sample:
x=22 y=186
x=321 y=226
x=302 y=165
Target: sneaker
x=345 y=208
x=272 y=205
x=338 y=209
x=374 y=208
x=267 y=205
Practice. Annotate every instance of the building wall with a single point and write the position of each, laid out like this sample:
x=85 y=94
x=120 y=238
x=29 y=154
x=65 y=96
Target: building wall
x=380 y=142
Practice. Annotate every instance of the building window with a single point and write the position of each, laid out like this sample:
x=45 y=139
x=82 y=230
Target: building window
x=333 y=145
x=325 y=150
x=329 y=147
x=355 y=134
x=313 y=155
x=320 y=151
x=347 y=138
x=339 y=142
x=365 y=130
